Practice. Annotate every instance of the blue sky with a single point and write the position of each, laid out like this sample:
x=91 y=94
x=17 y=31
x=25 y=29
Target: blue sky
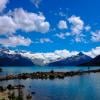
x=49 y=25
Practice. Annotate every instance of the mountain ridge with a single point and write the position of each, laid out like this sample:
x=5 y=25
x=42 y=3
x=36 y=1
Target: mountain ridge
x=93 y=62
x=72 y=61
x=20 y=58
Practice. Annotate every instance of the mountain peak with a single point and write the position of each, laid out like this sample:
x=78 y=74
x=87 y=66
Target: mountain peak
x=80 y=54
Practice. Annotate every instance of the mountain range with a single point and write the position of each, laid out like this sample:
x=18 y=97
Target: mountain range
x=20 y=58
x=93 y=62
x=7 y=59
x=72 y=61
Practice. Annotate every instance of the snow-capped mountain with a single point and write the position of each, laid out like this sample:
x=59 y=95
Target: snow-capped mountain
x=46 y=58
x=72 y=61
x=56 y=58
x=36 y=58
x=11 y=58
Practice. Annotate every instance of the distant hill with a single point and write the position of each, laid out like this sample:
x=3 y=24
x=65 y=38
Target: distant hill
x=72 y=61
x=93 y=62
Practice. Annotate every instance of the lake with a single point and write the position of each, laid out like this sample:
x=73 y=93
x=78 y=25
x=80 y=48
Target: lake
x=83 y=87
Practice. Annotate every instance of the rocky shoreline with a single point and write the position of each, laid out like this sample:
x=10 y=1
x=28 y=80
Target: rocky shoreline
x=47 y=75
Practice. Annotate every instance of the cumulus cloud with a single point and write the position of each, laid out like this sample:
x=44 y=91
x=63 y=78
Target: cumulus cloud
x=28 y=21
x=14 y=41
x=76 y=38
x=19 y=19
x=80 y=38
x=3 y=4
x=62 y=24
x=75 y=30
x=95 y=36
x=7 y=25
x=77 y=24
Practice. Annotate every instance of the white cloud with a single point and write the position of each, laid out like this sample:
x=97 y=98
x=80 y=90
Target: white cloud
x=29 y=22
x=76 y=29
x=77 y=25
x=62 y=24
x=36 y=3
x=87 y=28
x=14 y=41
x=94 y=52
x=62 y=35
x=7 y=25
x=3 y=4
x=78 y=39
x=65 y=53
x=45 y=40
x=95 y=36
x=19 y=19
x=23 y=20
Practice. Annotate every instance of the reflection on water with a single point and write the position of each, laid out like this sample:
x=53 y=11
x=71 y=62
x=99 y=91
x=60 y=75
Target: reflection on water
x=84 y=87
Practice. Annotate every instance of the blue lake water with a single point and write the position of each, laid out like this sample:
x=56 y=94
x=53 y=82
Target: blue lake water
x=84 y=87
x=16 y=70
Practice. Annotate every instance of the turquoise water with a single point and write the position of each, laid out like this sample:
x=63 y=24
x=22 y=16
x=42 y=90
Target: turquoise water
x=16 y=70
x=84 y=87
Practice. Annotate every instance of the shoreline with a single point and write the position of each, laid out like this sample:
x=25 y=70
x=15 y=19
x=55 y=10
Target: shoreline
x=47 y=75
x=15 y=92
